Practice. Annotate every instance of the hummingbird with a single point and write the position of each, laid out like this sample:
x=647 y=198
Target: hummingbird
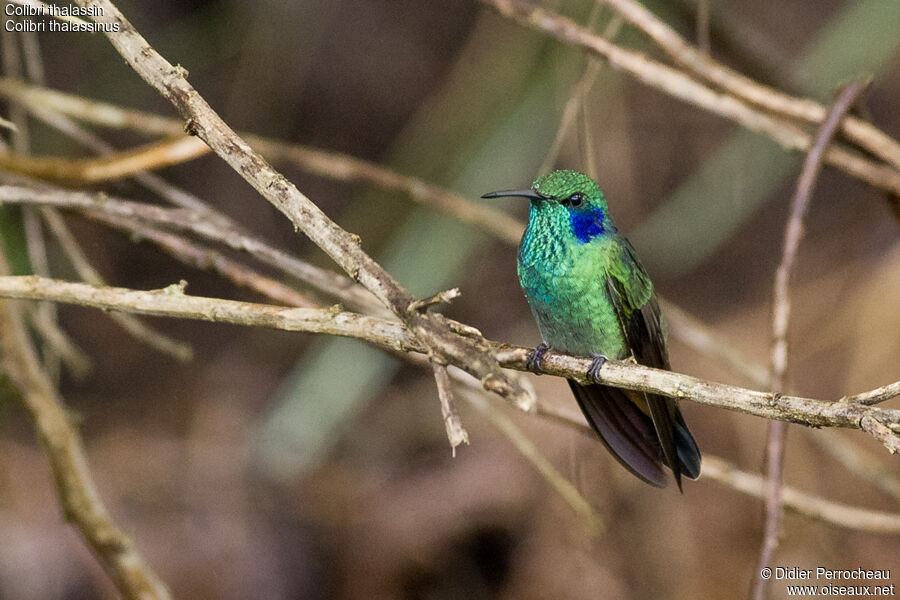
x=591 y=296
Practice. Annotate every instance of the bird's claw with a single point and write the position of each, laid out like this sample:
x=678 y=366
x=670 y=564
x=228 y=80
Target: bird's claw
x=593 y=372
x=536 y=359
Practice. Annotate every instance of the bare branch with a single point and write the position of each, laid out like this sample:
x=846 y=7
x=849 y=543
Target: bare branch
x=173 y=302
x=891 y=390
x=531 y=453
x=792 y=409
x=105 y=168
x=865 y=134
x=396 y=336
x=203 y=257
x=75 y=486
x=113 y=210
x=343 y=247
x=456 y=433
x=140 y=331
x=802 y=503
x=781 y=315
x=334 y=165
x=681 y=86
x=725 y=473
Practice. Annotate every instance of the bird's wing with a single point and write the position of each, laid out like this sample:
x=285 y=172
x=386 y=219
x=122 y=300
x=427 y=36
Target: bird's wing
x=632 y=293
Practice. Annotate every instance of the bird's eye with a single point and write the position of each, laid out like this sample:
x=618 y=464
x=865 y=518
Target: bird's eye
x=574 y=200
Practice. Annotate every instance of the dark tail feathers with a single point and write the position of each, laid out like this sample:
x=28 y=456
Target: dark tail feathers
x=631 y=436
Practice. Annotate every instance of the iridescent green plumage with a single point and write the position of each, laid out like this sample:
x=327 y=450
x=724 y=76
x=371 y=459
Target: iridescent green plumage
x=590 y=296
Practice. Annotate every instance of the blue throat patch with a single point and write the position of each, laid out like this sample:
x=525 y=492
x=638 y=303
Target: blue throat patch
x=586 y=225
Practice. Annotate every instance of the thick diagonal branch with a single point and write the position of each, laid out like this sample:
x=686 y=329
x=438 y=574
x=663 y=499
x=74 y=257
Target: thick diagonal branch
x=343 y=247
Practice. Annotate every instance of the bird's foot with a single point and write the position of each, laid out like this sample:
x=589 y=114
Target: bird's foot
x=536 y=359
x=593 y=372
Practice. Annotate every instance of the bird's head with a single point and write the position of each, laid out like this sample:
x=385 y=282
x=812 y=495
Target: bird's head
x=567 y=202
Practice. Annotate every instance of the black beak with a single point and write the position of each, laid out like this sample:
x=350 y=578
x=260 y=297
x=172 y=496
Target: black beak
x=530 y=194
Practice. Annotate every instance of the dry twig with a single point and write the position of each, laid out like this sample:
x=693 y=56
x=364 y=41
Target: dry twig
x=802 y=503
x=140 y=331
x=869 y=137
x=334 y=165
x=343 y=247
x=75 y=486
x=393 y=335
x=723 y=472
x=456 y=433
x=119 y=212
x=781 y=317
x=116 y=166
x=682 y=86
x=533 y=455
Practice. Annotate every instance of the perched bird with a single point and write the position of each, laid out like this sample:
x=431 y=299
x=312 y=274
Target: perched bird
x=591 y=297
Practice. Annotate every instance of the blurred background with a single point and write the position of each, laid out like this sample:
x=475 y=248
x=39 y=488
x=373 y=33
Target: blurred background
x=277 y=465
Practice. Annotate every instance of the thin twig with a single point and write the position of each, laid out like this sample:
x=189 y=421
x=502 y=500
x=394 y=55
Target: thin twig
x=71 y=355
x=35 y=244
x=702 y=27
x=578 y=95
x=334 y=165
x=173 y=302
x=709 y=343
x=331 y=171
x=12 y=65
x=456 y=433
x=141 y=332
x=154 y=183
x=106 y=168
x=391 y=334
x=209 y=222
x=203 y=257
x=527 y=449
x=680 y=85
x=341 y=246
x=801 y=503
x=77 y=492
x=102 y=206
x=682 y=325
x=781 y=317
x=792 y=409
x=725 y=473
x=891 y=390
x=869 y=137
x=72 y=249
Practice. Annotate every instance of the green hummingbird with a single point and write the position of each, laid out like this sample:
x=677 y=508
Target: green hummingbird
x=591 y=296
